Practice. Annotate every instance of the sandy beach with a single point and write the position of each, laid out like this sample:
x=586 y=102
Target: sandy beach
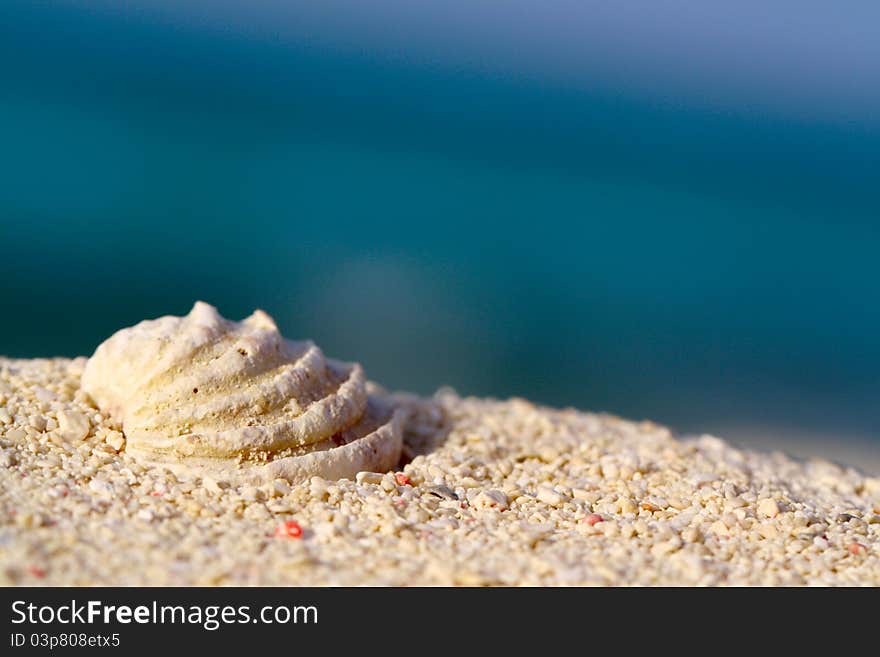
x=488 y=493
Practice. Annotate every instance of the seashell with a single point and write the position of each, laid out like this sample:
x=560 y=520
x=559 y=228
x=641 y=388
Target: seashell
x=205 y=394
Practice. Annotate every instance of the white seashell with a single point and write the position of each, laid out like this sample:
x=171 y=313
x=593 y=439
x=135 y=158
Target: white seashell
x=204 y=393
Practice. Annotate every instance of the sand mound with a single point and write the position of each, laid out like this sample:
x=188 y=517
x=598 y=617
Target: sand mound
x=496 y=492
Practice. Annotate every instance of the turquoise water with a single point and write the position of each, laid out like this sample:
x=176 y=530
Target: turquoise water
x=506 y=235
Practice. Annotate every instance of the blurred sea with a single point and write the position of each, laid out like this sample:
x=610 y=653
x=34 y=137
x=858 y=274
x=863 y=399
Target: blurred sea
x=706 y=262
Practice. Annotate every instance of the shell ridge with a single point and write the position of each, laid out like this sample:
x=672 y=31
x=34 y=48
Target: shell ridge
x=320 y=421
x=273 y=392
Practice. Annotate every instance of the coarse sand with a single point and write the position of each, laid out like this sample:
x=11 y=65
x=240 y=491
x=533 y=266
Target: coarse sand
x=489 y=493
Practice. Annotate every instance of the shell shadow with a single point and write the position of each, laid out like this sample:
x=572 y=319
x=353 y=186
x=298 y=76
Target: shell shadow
x=426 y=426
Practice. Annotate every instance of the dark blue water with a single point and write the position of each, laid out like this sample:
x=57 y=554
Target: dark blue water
x=504 y=234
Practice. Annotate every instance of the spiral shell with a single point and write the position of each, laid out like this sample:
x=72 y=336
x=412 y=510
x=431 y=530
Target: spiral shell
x=204 y=393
